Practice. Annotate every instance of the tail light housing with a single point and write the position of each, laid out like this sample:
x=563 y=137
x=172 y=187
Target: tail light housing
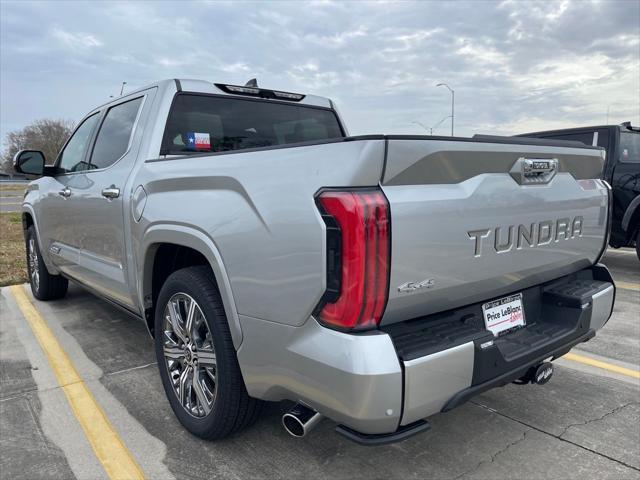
x=358 y=258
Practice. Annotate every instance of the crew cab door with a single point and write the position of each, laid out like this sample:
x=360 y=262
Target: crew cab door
x=55 y=210
x=625 y=182
x=90 y=246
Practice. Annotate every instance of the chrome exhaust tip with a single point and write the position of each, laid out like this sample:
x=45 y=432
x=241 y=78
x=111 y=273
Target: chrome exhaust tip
x=300 y=420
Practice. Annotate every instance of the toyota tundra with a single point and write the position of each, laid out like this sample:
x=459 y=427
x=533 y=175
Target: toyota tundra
x=374 y=280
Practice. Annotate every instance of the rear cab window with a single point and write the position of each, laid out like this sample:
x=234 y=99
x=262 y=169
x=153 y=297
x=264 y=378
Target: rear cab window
x=586 y=137
x=629 y=147
x=204 y=123
x=599 y=137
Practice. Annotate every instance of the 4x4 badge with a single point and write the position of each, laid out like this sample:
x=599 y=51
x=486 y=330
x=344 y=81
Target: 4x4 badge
x=413 y=286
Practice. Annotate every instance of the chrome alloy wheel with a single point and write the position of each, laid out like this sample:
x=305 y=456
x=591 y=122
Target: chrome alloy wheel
x=189 y=354
x=34 y=273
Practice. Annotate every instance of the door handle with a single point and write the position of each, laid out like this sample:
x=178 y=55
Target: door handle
x=111 y=192
x=65 y=192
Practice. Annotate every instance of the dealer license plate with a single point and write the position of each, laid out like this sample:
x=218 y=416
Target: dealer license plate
x=503 y=314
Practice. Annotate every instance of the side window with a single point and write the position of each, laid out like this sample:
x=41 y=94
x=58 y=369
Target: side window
x=114 y=135
x=630 y=147
x=72 y=157
x=603 y=138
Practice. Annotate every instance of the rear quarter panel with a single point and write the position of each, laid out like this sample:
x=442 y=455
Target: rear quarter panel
x=258 y=209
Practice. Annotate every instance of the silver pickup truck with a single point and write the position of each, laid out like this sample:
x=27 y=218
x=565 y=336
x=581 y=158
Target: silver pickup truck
x=374 y=280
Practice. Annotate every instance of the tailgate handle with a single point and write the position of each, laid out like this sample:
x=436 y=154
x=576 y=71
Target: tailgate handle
x=528 y=171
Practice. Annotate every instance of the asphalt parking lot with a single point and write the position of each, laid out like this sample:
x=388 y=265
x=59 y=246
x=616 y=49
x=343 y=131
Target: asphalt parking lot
x=584 y=424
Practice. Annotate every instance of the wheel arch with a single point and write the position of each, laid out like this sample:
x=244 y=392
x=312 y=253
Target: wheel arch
x=182 y=246
x=29 y=220
x=631 y=219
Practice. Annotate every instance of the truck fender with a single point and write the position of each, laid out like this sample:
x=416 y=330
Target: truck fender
x=197 y=240
x=632 y=212
x=44 y=252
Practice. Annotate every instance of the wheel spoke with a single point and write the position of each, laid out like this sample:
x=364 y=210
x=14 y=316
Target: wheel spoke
x=206 y=358
x=173 y=352
x=200 y=395
x=174 y=315
x=191 y=313
x=182 y=385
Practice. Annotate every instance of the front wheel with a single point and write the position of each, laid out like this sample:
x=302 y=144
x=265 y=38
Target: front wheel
x=196 y=357
x=44 y=286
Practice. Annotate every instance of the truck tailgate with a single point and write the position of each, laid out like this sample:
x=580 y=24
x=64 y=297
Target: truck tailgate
x=475 y=220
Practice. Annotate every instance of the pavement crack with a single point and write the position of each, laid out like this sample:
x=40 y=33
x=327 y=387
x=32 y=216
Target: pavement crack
x=68 y=384
x=592 y=420
x=559 y=437
x=36 y=390
x=139 y=367
x=494 y=455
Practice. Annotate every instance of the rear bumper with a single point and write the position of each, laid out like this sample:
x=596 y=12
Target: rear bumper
x=518 y=372
x=379 y=382
x=355 y=380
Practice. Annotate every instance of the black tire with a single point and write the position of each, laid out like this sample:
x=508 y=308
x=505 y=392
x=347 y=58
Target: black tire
x=44 y=286
x=232 y=408
x=638 y=245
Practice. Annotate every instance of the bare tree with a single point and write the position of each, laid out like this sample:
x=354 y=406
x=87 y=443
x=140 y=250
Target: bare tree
x=47 y=135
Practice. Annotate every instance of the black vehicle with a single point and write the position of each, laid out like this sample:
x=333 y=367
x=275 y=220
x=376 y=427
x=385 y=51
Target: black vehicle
x=621 y=171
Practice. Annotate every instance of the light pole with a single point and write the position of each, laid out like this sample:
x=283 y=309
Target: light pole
x=431 y=128
x=453 y=99
x=438 y=124
x=422 y=125
x=122 y=88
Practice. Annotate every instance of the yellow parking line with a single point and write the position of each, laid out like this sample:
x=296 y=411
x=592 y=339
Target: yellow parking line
x=117 y=461
x=603 y=365
x=629 y=286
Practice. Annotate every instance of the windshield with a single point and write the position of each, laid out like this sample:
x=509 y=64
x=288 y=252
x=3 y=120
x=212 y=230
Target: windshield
x=630 y=147
x=199 y=123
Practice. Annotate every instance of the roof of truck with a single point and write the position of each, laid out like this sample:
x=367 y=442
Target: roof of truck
x=205 y=86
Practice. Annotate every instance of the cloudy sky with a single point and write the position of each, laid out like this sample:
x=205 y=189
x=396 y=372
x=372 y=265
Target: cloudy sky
x=515 y=66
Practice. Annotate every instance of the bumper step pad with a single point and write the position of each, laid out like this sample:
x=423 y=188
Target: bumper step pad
x=371 y=439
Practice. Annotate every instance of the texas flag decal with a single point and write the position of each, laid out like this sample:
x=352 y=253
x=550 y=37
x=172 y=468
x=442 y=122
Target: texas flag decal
x=198 y=141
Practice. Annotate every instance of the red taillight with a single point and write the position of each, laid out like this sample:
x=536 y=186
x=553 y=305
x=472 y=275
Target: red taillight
x=362 y=217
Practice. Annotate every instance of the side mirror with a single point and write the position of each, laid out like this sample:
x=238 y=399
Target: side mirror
x=29 y=162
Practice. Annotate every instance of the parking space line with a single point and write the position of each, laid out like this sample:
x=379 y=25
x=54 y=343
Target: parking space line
x=109 y=448
x=628 y=286
x=628 y=372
